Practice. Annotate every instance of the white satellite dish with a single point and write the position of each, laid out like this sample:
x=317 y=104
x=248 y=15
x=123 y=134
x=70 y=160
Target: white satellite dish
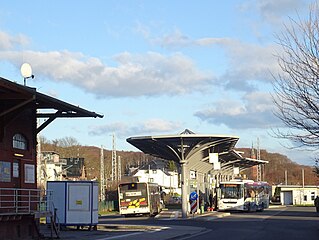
x=26 y=71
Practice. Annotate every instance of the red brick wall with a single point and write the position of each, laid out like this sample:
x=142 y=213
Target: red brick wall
x=23 y=122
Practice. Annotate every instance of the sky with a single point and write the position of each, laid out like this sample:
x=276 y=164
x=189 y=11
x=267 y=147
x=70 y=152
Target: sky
x=153 y=67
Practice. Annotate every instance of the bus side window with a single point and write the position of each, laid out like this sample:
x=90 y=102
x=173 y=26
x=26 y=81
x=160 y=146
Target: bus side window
x=248 y=190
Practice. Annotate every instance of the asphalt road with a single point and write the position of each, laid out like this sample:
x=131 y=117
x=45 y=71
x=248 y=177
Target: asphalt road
x=286 y=223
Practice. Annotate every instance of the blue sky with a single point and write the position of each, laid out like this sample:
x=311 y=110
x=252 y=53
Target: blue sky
x=153 y=67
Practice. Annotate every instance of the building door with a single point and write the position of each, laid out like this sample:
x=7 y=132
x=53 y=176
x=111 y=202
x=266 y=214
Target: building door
x=16 y=174
x=287 y=198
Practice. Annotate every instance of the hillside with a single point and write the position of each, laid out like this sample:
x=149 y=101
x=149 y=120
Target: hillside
x=274 y=172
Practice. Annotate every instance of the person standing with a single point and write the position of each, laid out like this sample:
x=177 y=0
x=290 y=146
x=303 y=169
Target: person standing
x=317 y=203
x=210 y=201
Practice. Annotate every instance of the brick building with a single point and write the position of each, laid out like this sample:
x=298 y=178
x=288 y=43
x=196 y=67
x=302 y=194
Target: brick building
x=20 y=107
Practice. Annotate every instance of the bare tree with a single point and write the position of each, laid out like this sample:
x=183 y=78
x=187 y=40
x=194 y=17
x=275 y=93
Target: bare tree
x=67 y=142
x=297 y=86
x=68 y=147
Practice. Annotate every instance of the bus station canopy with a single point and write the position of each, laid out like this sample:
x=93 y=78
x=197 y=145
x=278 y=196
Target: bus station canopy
x=194 y=149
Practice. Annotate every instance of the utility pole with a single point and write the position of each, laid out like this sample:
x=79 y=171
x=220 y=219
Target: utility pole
x=303 y=177
x=119 y=170
x=114 y=165
x=259 y=166
x=102 y=176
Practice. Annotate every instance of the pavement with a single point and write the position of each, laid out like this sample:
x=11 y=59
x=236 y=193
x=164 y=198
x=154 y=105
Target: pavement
x=170 y=215
x=139 y=232
x=133 y=232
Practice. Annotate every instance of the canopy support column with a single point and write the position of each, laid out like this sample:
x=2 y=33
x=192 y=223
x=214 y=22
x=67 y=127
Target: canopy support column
x=184 y=191
x=184 y=182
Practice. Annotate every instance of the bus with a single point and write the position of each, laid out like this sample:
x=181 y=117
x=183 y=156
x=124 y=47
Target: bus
x=137 y=198
x=243 y=195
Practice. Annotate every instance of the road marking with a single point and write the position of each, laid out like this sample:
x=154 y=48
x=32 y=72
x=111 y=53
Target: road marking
x=195 y=235
x=168 y=215
x=120 y=236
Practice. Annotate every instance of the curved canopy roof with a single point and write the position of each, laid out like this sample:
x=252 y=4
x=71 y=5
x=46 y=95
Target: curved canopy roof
x=193 y=149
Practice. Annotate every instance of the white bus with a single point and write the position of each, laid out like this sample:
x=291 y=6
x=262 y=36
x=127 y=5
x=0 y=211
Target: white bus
x=243 y=195
x=139 y=198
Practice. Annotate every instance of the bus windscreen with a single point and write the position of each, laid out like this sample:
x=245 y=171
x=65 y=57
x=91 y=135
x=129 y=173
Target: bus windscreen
x=231 y=191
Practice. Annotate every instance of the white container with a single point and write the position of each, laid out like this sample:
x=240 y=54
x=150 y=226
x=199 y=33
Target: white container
x=76 y=202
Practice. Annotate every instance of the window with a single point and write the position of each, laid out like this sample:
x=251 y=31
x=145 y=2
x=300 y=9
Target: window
x=233 y=191
x=19 y=142
x=312 y=196
x=154 y=171
x=151 y=180
x=305 y=197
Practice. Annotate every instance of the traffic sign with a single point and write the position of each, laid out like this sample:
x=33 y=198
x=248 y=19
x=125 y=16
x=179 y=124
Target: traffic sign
x=193 y=196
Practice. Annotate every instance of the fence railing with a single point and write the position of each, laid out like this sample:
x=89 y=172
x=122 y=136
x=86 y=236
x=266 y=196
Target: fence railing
x=24 y=201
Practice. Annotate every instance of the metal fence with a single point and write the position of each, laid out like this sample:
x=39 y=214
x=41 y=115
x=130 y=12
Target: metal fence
x=24 y=201
x=108 y=206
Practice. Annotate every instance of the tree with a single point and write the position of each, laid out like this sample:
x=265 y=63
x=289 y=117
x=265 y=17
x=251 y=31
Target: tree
x=67 y=142
x=67 y=147
x=297 y=86
x=171 y=166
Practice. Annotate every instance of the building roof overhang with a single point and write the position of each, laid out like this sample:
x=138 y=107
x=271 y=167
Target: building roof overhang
x=17 y=96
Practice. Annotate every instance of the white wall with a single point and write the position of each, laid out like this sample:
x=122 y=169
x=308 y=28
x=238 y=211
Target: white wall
x=50 y=172
x=161 y=178
x=300 y=195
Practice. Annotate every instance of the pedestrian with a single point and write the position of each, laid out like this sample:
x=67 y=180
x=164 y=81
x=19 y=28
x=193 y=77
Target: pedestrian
x=317 y=203
x=215 y=203
x=210 y=201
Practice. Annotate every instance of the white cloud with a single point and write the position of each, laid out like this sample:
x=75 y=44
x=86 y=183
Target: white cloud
x=150 y=74
x=160 y=125
x=177 y=40
x=120 y=128
x=142 y=29
x=273 y=11
x=173 y=40
x=248 y=63
x=148 y=127
x=8 y=42
x=254 y=110
x=272 y=8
